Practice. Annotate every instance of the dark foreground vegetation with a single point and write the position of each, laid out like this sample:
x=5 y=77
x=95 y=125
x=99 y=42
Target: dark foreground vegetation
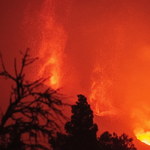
x=33 y=115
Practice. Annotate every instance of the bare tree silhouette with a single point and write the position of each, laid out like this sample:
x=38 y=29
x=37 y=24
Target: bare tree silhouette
x=32 y=113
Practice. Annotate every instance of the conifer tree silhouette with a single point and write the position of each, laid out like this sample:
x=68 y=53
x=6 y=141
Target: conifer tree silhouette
x=81 y=131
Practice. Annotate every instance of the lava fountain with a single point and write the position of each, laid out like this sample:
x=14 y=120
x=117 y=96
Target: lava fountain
x=50 y=42
x=51 y=47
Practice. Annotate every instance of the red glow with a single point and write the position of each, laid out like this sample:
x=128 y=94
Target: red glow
x=100 y=48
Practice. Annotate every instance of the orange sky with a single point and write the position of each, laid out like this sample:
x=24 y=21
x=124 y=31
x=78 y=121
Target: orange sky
x=99 y=48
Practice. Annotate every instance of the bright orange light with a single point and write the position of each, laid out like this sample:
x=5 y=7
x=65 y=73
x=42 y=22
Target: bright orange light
x=55 y=71
x=54 y=80
x=143 y=136
x=52 y=68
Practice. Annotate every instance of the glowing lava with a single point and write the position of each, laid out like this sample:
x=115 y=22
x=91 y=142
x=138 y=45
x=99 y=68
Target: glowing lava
x=143 y=136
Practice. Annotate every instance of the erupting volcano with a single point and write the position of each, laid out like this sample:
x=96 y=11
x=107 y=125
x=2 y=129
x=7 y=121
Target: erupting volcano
x=100 y=55
x=97 y=48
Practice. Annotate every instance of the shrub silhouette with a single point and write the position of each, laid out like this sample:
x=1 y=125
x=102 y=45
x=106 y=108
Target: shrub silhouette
x=109 y=141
